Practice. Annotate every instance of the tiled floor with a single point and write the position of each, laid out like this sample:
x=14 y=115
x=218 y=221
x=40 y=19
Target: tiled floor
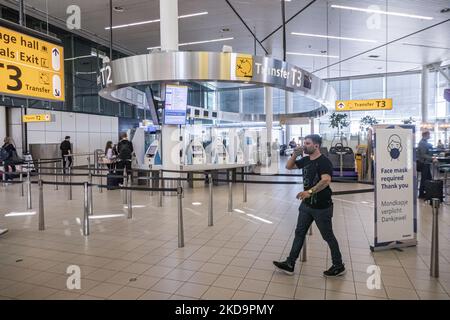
x=139 y=258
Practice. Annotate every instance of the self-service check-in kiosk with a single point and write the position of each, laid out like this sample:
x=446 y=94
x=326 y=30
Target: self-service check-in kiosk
x=220 y=153
x=195 y=153
x=153 y=155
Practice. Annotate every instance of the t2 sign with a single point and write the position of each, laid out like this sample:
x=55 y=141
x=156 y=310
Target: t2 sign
x=105 y=74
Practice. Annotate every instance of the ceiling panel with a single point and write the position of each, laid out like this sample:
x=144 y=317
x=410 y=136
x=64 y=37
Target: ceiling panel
x=264 y=16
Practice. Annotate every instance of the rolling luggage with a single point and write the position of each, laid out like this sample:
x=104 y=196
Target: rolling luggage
x=111 y=181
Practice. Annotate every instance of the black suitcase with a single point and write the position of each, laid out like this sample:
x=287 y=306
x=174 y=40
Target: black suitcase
x=111 y=181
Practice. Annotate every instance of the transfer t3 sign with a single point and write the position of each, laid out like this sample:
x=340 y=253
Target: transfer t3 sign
x=395 y=187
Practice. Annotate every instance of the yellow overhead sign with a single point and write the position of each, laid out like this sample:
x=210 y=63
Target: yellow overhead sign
x=361 y=105
x=244 y=65
x=30 y=67
x=37 y=118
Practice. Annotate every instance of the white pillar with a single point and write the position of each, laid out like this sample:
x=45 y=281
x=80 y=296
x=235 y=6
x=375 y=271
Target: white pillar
x=289 y=107
x=268 y=108
x=168 y=13
x=168 y=10
x=312 y=127
x=424 y=89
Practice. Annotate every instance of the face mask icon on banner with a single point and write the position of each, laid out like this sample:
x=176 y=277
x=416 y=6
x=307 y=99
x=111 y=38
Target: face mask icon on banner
x=394 y=146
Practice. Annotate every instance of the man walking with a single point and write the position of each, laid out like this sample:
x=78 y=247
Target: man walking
x=66 y=150
x=316 y=204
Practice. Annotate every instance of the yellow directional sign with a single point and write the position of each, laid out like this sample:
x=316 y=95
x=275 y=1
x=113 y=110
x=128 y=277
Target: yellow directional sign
x=30 y=67
x=361 y=105
x=37 y=118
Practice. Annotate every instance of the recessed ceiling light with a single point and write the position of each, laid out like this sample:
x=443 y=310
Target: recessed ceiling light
x=330 y=37
x=196 y=42
x=374 y=56
x=118 y=9
x=156 y=20
x=445 y=10
x=391 y=13
x=312 y=55
x=225 y=29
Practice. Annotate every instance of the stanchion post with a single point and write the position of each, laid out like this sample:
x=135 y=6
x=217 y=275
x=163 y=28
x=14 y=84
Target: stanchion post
x=70 y=183
x=210 y=204
x=56 y=176
x=91 y=202
x=39 y=169
x=125 y=183
x=29 y=202
x=180 y=215
x=161 y=186
x=230 y=191
x=100 y=189
x=41 y=206
x=129 y=201
x=21 y=183
x=86 y=210
x=434 y=265
x=245 y=184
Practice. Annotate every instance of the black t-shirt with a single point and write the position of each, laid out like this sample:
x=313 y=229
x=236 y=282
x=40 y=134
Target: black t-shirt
x=125 y=150
x=65 y=147
x=312 y=171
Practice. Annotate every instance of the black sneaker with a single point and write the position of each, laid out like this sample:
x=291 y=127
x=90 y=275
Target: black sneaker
x=335 y=271
x=284 y=266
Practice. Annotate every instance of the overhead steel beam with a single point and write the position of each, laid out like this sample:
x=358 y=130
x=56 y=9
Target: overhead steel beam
x=245 y=24
x=289 y=20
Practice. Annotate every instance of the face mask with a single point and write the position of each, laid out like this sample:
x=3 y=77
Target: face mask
x=395 y=153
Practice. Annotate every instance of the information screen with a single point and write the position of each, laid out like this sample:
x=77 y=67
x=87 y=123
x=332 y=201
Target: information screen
x=176 y=105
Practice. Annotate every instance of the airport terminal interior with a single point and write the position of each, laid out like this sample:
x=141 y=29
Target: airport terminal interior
x=175 y=149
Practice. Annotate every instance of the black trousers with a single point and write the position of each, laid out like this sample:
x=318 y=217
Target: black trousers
x=424 y=176
x=120 y=165
x=67 y=162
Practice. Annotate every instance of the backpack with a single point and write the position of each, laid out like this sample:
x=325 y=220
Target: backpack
x=3 y=154
x=124 y=150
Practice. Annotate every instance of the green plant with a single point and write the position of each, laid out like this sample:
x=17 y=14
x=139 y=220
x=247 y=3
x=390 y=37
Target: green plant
x=339 y=121
x=366 y=122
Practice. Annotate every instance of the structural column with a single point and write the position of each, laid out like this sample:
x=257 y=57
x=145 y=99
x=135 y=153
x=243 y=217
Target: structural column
x=424 y=87
x=289 y=108
x=268 y=109
x=170 y=134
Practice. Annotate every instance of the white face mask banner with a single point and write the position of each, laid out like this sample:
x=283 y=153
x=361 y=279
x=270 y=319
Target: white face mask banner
x=395 y=187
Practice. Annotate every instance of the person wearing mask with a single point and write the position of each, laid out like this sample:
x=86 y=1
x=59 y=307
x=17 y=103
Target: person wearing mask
x=110 y=157
x=66 y=149
x=424 y=160
x=316 y=204
x=125 y=154
x=8 y=162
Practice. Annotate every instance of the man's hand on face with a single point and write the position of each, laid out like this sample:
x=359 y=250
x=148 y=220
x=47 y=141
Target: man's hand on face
x=298 y=151
x=303 y=195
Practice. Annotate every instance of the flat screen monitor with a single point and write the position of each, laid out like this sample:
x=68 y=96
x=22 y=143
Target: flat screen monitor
x=197 y=113
x=152 y=150
x=206 y=113
x=175 y=105
x=214 y=114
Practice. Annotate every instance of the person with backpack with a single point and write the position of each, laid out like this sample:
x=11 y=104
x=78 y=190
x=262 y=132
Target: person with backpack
x=125 y=154
x=8 y=155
